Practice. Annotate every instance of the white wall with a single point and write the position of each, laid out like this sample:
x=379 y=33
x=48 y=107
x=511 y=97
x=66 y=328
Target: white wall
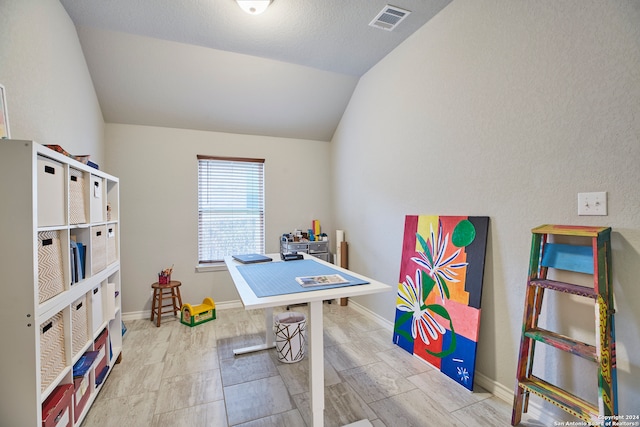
x=158 y=173
x=504 y=109
x=50 y=95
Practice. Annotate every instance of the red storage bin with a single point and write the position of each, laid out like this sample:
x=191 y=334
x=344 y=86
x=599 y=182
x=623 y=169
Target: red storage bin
x=82 y=381
x=81 y=395
x=101 y=346
x=56 y=410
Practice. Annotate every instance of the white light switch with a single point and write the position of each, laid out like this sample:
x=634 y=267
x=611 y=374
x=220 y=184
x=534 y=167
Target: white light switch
x=592 y=203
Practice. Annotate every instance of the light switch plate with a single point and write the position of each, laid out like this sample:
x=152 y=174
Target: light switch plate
x=592 y=203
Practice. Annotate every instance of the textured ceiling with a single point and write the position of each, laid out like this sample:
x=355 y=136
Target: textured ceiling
x=207 y=65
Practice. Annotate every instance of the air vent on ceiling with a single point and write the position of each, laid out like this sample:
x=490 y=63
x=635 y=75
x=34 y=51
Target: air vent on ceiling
x=389 y=18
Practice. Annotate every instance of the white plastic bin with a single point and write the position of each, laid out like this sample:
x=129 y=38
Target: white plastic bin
x=96 y=308
x=51 y=194
x=97 y=205
x=291 y=335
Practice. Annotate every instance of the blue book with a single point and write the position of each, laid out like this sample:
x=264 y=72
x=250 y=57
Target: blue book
x=101 y=375
x=93 y=165
x=84 y=363
x=76 y=263
x=73 y=260
x=81 y=259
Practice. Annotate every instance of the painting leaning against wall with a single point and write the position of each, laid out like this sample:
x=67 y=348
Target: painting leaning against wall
x=440 y=290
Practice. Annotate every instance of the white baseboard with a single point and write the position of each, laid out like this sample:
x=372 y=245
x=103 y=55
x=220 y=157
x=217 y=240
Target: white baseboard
x=502 y=392
x=498 y=390
x=146 y=314
x=136 y=315
x=373 y=316
x=229 y=304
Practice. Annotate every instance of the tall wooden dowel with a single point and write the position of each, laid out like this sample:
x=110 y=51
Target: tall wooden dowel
x=344 y=263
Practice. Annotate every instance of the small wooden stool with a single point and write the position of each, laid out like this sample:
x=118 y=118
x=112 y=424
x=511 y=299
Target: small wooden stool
x=170 y=291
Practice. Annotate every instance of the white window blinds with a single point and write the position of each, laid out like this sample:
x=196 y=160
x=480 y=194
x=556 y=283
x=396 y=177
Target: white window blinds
x=230 y=207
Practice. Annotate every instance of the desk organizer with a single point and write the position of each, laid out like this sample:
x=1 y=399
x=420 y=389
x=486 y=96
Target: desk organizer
x=195 y=315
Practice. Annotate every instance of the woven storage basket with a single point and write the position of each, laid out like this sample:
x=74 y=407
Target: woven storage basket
x=50 y=277
x=52 y=355
x=77 y=211
x=111 y=244
x=98 y=248
x=79 y=336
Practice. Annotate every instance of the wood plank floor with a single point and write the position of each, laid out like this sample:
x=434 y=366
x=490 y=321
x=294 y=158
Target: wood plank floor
x=176 y=375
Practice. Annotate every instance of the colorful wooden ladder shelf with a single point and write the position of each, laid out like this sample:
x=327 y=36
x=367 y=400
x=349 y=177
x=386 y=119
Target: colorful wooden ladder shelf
x=595 y=260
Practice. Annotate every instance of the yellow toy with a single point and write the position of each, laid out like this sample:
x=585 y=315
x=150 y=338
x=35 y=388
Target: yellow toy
x=195 y=315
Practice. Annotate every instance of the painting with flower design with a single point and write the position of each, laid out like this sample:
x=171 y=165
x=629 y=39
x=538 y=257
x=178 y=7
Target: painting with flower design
x=440 y=290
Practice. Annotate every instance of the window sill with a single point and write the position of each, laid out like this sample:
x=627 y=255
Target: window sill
x=205 y=268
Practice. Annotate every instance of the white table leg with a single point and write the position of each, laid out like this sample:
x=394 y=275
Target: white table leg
x=316 y=364
x=268 y=326
x=269 y=341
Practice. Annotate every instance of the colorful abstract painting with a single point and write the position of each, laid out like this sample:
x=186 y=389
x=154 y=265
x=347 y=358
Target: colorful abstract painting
x=439 y=292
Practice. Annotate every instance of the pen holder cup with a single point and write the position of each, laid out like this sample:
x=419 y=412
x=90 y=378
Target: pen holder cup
x=164 y=280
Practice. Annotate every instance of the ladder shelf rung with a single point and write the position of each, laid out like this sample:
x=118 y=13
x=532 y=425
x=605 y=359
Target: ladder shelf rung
x=563 y=399
x=563 y=343
x=569 y=288
x=570 y=230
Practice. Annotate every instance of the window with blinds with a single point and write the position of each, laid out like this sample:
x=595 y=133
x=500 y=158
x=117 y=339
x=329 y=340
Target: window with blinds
x=230 y=207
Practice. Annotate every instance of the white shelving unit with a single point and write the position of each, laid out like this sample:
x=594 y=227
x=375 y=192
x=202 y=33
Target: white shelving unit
x=48 y=319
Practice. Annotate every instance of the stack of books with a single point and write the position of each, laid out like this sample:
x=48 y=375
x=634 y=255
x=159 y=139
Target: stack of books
x=77 y=258
x=84 y=158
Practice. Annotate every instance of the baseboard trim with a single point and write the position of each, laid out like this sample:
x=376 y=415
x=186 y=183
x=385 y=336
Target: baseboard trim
x=498 y=390
x=146 y=314
x=374 y=316
x=136 y=315
x=229 y=304
x=502 y=392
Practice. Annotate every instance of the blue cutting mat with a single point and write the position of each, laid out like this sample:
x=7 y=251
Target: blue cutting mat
x=279 y=278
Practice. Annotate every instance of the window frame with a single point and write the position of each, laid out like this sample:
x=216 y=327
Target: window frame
x=252 y=209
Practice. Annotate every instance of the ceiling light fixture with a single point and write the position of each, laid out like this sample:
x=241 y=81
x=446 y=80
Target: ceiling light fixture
x=254 y=7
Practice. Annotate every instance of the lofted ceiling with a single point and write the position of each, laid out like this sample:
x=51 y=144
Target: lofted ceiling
x=207 y=65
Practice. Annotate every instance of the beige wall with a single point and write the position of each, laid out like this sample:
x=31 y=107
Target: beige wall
x=158 y=173
x=504 y=109
x=50 y=95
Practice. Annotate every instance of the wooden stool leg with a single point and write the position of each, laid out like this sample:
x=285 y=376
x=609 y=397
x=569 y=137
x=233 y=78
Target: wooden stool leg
x=159 y=307
x=174 y=302
x=179 y=298
x=153 y=304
